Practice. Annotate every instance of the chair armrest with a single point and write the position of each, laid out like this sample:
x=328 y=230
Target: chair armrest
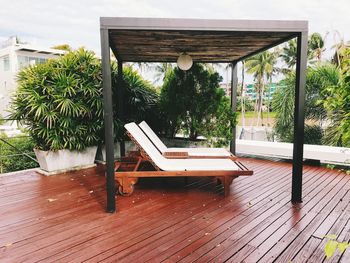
x=175 y=155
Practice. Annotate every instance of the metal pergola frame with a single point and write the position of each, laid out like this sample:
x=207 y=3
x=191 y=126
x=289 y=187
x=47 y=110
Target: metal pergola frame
x=291 y=29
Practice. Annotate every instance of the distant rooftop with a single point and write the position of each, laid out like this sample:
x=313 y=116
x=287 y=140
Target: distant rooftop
x=14 y=42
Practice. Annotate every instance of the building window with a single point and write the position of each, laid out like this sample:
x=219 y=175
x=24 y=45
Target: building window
x=24 y=61
x=6 y=62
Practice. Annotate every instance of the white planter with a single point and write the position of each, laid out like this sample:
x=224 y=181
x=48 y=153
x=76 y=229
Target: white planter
x=53 y=162
x=101 y=153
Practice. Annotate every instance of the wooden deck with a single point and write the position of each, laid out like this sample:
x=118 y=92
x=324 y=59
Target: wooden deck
x=62 y=218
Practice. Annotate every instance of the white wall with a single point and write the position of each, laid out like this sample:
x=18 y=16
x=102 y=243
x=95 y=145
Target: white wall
x=8 y=78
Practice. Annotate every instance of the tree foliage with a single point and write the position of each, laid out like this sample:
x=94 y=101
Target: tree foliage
x=262 y=66
x=337 y=103
x=289 y=55
x=64 y=47
x=161 y=70
x=60 y=102
x=316 y=46
x=318 y=80
x=327 y=109
x=315 y=50
x=140 y=100
x=193 y=102
x=13 y=160
x=339 y=48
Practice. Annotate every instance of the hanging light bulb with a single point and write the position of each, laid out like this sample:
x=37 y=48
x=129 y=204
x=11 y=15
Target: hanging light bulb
x=184 y=61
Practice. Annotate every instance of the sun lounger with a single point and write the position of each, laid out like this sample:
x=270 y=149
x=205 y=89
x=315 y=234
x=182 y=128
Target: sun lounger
x=211 y=153
x=130 y=168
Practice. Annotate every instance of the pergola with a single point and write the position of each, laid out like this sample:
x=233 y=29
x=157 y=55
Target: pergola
x=209 y=41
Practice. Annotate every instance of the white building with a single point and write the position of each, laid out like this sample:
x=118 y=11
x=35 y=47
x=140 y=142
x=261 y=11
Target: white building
x=13 y=57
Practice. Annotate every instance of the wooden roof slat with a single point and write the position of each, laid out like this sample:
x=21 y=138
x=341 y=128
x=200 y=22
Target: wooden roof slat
x=148 y=39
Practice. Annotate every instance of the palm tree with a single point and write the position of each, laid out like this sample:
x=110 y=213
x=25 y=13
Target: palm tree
x=316 y=46
x=314 y=52
x=141 y=66
x=161 y=70
x=271 y=70
x=261 y=66
x=319 y=80
x=288 y=56
x=339 y=47
x=242 y=95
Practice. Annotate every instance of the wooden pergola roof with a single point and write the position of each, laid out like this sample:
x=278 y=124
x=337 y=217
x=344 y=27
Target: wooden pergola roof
x=227 y=41
x=163 y=40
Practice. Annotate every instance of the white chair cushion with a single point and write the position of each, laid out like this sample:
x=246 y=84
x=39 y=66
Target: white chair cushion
x=153 y=137
x=177 y=164
x=191 y=151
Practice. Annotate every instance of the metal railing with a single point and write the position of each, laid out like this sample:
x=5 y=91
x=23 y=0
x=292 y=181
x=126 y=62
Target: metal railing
x=13 y=157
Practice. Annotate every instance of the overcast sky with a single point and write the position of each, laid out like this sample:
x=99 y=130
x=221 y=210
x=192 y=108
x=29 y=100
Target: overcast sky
x=76 y=22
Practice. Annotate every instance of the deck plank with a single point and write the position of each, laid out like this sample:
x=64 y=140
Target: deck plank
x=254 y=228
x=301 y=231
x=115 y=249
x=170 y=220
x=269 y=198
x=268 y=237
x=340 y=228
x=230 y=210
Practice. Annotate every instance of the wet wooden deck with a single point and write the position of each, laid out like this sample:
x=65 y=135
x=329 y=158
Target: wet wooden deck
x=62 y=219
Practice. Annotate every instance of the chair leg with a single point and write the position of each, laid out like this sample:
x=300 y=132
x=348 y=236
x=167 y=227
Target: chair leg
x=126 y=185
x=227 y=181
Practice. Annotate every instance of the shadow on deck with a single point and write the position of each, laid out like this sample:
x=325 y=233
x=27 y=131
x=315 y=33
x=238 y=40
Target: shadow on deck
x=62 y=218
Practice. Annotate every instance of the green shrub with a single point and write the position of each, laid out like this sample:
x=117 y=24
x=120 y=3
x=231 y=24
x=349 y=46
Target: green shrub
x=141 y=101
x=337 y=103
x=193 y=102
x=13 y=160
x=318 y=80
x=313 y=134
x=219 y=129
x=60 y=102
x=248 y=104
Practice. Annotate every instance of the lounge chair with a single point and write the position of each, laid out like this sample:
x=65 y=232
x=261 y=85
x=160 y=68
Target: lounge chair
x=211 y=153
x=130 y=168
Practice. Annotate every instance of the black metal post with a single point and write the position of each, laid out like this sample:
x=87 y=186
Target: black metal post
x=298 y=145
x=234 y=84
x=108 y=120
x=120 y=102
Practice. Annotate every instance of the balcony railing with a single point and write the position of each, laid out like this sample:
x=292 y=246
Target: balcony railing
x=16 y=150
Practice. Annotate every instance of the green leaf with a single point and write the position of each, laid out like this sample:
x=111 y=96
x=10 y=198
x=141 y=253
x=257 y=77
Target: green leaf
x=330 y=248
x=342 y=246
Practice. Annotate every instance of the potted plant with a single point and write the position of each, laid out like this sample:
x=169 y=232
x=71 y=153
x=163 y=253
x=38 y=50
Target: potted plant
x=60 y=104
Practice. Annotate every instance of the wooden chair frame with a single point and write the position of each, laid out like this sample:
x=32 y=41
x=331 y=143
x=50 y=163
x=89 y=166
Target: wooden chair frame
x=185 y=155
x=127 y=171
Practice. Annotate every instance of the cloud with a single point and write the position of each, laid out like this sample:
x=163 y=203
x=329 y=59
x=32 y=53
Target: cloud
x=77 y=22
x=53 y=22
